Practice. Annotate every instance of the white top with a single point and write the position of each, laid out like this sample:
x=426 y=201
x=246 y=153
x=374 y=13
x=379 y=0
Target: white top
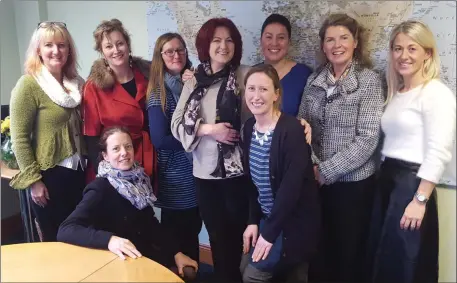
x=419 y=126
x=72 y=162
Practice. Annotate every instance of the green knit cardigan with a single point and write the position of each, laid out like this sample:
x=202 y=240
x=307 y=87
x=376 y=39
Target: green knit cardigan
x=40 y=132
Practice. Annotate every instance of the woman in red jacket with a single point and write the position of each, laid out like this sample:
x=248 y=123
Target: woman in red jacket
x=115 y=93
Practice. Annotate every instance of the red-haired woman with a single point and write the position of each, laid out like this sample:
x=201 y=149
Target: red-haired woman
x=207 y=122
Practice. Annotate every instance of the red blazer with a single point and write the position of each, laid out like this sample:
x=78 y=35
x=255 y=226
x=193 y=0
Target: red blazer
x=116 y=107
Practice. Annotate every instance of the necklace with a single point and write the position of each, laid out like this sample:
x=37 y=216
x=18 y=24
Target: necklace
x=264 y=137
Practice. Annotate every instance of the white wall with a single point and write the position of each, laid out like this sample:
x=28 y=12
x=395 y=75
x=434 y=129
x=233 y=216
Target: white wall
x=10 y=69
x=82 y=17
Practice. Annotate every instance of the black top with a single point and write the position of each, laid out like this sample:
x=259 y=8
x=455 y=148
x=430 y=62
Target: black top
x=130 y=87
x=103 y=212
x=296 y=209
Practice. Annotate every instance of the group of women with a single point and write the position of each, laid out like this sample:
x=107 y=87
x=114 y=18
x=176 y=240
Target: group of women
x=221 y=143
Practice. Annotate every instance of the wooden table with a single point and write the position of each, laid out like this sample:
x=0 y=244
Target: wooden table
x=59 y=262
x=24 y=202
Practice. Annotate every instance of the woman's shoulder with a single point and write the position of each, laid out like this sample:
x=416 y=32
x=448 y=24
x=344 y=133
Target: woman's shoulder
x=26 y=85
x=27 y=81
x=190 y=84
x=99 y=76
x=301 y=69
x=289 y=123
x=100 y=185
x=367 y=74
x=242 y=70
x=438 y=89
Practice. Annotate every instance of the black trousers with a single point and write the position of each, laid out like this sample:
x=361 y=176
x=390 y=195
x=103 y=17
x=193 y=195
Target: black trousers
x=65 y=187
x=346 y=213
x=402 y=255
x=224 y=208
x=185 y=224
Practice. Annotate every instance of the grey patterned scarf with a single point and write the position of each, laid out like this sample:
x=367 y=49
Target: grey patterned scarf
x=134 y=185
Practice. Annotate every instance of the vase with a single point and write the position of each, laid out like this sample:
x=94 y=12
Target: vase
x=8 y=157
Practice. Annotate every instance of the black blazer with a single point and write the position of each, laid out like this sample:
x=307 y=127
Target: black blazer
x=103 y=212
x=296 y=209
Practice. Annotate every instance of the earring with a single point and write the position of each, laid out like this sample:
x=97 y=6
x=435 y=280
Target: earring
x=130 y=60
x=107 y=66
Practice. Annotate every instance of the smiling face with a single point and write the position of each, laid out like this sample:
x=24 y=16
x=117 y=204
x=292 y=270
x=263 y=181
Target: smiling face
x=115 y=49
x=275 y=42
x=176 y=62
x=260 y=94
x=221 y=49
x=408 y=56
x=339 y=45
x=119 y=151
x=54 y=52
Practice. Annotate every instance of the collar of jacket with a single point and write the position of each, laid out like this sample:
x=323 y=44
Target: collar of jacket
x=347 y=85
x=104 y=79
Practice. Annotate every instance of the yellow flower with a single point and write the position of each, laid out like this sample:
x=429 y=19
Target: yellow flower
x=6 y=126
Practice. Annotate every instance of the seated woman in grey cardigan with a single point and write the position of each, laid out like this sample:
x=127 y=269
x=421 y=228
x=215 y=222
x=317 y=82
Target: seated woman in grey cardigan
x=116 y=212
x=283 y=210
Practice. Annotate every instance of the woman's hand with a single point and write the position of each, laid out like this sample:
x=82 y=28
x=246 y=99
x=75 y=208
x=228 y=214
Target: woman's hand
x=250 y=235
x=413 y=215
x=262 y=249
x=39 y=193
x=224 y=133
x=308 y=130
x=182 y=261
x=187 y=75
x=318 y=176
x=121 y=246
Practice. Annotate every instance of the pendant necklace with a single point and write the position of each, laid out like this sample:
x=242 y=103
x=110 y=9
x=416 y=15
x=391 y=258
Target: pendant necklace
x=264 y=137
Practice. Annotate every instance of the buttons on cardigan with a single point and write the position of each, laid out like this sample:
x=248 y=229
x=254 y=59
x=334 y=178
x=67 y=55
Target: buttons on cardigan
x=125 y=218
x=273 y=177
x=330 y=101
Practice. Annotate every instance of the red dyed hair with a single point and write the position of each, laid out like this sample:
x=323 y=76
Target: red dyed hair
x=205 y=36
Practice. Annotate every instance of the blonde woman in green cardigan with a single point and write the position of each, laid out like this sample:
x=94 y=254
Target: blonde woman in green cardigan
x=46 y=127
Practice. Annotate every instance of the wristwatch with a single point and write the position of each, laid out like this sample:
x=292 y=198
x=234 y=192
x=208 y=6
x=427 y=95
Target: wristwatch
x=421 y=198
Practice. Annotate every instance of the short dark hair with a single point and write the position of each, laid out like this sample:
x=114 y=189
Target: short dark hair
x=277 y=18
x=205 y=36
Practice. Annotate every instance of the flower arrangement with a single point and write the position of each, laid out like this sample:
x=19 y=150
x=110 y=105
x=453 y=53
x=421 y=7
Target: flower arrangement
x=7 y=147
x=6 y=126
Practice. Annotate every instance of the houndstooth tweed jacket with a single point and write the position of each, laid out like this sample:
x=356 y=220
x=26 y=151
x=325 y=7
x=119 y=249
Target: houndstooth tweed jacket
x=346 y=124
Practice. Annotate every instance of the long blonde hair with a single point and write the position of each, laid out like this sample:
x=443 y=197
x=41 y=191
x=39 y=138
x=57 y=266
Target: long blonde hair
x=157 y=71
x=33 y=61
x=422 y=35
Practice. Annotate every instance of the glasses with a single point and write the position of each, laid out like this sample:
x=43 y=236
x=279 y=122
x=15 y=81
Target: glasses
x=171 y=53
x=49 y=23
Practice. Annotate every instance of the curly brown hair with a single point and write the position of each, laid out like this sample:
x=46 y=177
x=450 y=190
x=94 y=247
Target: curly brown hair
x=107 y=27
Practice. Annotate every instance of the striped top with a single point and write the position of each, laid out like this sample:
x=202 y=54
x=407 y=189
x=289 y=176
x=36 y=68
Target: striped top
x=259 y=165
x=176 y=181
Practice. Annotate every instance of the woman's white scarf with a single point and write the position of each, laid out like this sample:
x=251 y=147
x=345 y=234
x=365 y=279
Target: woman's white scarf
x=55 y=91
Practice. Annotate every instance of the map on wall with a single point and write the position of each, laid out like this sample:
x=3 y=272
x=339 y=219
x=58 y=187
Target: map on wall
x=378 y=17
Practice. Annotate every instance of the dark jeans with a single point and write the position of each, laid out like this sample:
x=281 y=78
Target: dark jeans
x=346 y=213
x=65 y=187
x=224 y=208
x=295 y=273
x=185 y=224
x=402 y=255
